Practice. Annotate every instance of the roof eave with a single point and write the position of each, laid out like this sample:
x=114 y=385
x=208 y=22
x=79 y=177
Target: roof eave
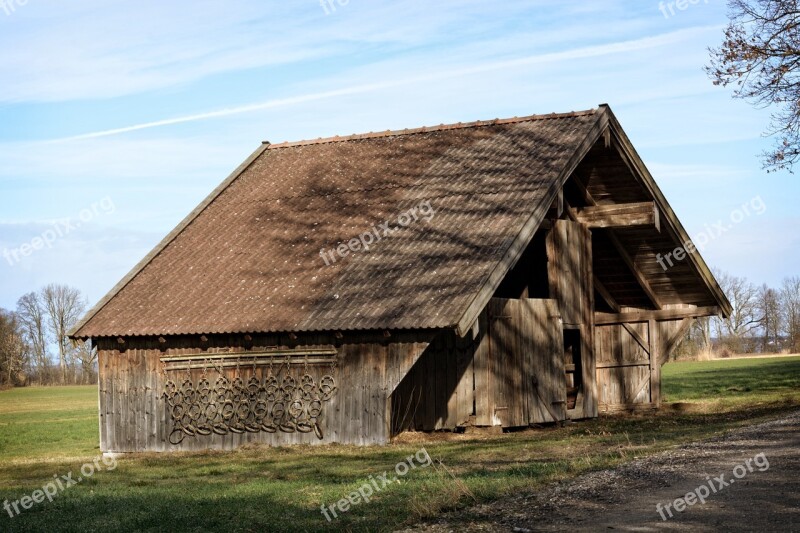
x=523 y=238
x=668 y=215
x=75 y=331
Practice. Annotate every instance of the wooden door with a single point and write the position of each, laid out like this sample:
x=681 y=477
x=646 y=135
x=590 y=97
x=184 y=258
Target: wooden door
x=524 y=351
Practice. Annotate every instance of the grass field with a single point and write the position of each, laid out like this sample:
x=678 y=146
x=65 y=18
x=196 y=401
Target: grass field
x=53 y=431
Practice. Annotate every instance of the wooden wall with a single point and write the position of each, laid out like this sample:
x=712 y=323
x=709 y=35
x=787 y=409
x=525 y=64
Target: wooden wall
x=629 y=360
x=438 y=392
x=570 y=274
x=133 y=409
x=525 y=380
x=511 y=374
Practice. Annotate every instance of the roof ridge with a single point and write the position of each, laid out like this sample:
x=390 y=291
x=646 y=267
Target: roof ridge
x=430 y=129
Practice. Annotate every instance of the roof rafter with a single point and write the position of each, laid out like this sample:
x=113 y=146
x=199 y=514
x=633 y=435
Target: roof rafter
x=626 y=258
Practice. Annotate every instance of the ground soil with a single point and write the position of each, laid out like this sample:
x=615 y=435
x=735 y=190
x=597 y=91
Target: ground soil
x=626 y=497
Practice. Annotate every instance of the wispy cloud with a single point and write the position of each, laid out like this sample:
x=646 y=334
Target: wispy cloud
x=568 y=55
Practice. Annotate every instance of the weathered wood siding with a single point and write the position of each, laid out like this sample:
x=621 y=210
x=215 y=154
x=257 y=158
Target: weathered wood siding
x=570 y=274
x=134 y=413
x=438 y=392
x=629 y=360
x=526 y=383
x=623 y=365
x=510 y=375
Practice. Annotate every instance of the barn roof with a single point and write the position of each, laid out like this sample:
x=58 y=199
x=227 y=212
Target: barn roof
x=248 y=258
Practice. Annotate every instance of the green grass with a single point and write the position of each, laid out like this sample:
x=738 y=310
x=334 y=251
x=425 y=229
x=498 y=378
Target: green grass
x=732 y=381
x=48 y=422
x=54 y=431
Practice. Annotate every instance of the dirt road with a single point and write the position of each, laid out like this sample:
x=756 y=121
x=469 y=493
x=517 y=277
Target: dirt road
x=634 y=497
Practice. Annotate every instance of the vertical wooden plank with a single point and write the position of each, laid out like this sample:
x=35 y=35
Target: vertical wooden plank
x=481 y=366
x=125 y=401
x=428 y=388
x=517 y=331
x=655 y=366
x=102 y=397
x=588 y=357
x=464 y=358
x=111 y=418
x=451 y=372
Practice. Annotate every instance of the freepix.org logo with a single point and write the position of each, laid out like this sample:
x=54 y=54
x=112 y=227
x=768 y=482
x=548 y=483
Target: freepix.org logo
x=9 y=7
x=423 y=211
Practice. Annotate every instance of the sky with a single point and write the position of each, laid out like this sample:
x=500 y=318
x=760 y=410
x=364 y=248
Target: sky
x=118 y=118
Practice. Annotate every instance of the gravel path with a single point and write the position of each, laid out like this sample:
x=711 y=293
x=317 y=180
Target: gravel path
x=625 y=498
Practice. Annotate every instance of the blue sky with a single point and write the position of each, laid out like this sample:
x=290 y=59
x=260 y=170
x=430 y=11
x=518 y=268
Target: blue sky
x=123 y=116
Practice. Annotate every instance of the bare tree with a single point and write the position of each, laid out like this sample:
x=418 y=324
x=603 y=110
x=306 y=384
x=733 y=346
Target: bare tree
x=790 y=307
x=744 y=320
x=14 y=351
x=86 y=354
x=31 y=316
x=769 y=312
x=760 y=56
x=64 y=306
x=701 y=328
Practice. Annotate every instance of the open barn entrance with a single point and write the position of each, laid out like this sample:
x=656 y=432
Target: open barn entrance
x=573 y=367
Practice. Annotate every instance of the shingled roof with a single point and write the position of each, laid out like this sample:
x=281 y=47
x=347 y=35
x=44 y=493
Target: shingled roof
x=248 y=258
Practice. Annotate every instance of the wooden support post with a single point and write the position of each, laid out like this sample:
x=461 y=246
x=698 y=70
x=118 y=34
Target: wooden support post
x=655 y=363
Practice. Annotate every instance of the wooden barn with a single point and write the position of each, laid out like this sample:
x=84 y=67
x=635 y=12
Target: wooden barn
x=501 y=273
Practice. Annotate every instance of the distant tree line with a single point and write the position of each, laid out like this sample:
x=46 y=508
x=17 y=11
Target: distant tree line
x=764 y=320
x=34 y=348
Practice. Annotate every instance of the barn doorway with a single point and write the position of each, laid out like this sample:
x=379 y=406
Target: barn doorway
x=520 y=368
x=573 y=367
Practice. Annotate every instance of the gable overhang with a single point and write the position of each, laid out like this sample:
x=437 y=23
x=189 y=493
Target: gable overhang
x=669 y=219
x=531 y=225
x=606 y=127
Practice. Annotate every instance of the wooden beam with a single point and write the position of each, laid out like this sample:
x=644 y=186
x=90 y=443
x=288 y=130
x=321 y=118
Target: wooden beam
x=610 y=300
x=673 y=341
x=619 y=215
x=644 y=316
x=655 y=363
x=560 y=202
x=637 y=337
x=637 y=273
x=623 y=253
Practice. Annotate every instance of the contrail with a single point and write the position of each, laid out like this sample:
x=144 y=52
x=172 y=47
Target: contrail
x=579 y=53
